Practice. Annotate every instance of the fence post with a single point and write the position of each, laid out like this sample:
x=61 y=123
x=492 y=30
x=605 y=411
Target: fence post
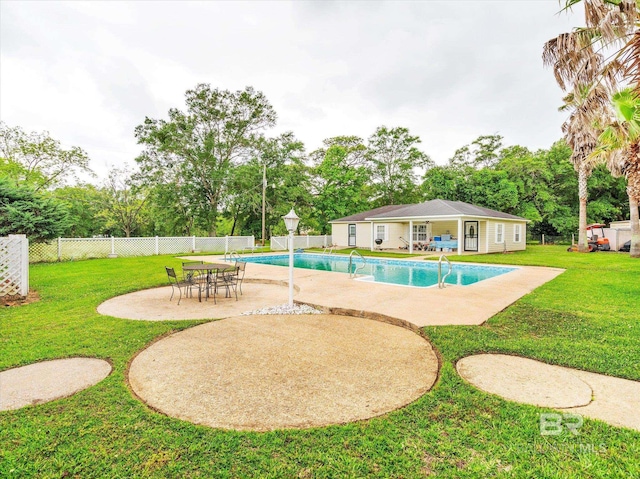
x=253 y=241
x=59 y=249
x=22 y=250
x=24 y=275
x=226 y=244
x=193 y=244
x=307 y=241
x=157 y=246
x=113 y=248
x=325 y=241
x=542 y=239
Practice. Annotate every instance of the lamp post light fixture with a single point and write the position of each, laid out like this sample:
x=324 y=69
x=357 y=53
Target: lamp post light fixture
x=291 y=222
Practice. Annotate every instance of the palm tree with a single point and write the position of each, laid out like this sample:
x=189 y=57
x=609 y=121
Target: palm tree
x=613 y=24
x=619 y=146
x=589 y=110
x=576 y=65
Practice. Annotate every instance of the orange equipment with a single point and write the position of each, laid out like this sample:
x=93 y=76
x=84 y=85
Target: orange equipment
x=597 y=242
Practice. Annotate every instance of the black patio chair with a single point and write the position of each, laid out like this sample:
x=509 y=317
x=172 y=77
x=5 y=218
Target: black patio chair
x=210 y=283
x=241 y=266
x=180 y=285
x=230 y=280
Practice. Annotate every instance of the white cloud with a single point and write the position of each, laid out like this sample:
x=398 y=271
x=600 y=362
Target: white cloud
x=89 y=72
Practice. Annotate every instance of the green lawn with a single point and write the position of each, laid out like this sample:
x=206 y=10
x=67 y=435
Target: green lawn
x=586 y=318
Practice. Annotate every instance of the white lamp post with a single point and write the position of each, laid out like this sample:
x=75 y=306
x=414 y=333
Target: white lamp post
x=291 y=221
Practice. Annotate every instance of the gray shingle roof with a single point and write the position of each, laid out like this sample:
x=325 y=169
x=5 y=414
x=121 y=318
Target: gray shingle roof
x=440 y=208
x=367 y=214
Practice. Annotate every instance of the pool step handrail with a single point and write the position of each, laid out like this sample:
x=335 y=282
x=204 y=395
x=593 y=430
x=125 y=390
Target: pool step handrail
x=231 y=255
x=441 y=278
x=328 y=247
x=358 y=268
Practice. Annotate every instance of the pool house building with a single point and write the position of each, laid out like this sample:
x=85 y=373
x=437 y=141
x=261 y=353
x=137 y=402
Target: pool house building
x=435 y=225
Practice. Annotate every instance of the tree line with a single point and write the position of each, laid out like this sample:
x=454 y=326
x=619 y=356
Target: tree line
x=201 y=172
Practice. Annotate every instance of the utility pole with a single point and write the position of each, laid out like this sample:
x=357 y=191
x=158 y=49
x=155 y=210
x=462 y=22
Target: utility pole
x=264 y=196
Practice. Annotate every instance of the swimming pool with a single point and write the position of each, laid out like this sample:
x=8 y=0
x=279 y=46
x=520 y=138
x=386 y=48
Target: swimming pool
x=421 y=274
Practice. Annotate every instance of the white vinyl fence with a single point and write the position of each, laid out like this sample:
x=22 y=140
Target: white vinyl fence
x=64 y=249
x=14 y=265
x=281 y=243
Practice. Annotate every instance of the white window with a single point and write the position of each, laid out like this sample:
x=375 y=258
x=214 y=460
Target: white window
x=419 y=232
x=517 y=233
x=382 y=232
x=499 y=232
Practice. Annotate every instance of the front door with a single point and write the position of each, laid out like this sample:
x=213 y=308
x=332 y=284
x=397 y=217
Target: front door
x=352 y=235
x=471 y=236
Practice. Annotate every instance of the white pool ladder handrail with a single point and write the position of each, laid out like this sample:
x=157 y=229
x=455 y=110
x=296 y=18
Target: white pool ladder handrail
x=441 y=279
x=232 y=255
x=364 y=263
x=328 y=247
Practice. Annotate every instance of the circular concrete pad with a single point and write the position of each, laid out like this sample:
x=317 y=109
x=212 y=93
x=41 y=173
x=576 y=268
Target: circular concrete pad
x=271 y=372
x=154 y=305
x=525 y=380
x=43 y=382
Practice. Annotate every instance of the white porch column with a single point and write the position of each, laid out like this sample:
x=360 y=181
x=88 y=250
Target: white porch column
x=410 y=236
x=460 y=235
x=372 y=238
x=487 y=234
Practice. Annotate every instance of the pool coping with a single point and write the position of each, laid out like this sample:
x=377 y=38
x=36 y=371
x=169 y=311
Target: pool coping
x=466 y=305
x=431 y=265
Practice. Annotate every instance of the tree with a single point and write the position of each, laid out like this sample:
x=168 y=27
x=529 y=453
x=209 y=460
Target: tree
x=576 y=67
x=620 y=147
x=340 y=179
x=394 y=159
x=481 y=153
x=25 y=211
x=589 y=111
x=38 y=159
x=612 y=25
x=124 y=199
x=485 y=187
x=198 y=147
x=84 y=204
x=287 y=181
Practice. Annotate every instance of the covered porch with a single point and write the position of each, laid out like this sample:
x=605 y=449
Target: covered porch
x=459 y=235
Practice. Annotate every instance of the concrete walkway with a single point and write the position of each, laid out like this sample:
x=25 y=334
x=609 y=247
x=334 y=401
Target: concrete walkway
x=609 y=399
x=49 y=380
x=273 y=372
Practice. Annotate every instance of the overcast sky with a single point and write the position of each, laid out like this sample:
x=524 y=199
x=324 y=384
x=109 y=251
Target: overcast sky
x=89 y=72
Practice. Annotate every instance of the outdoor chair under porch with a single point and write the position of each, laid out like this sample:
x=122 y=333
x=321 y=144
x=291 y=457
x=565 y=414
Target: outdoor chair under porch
x=187 y=286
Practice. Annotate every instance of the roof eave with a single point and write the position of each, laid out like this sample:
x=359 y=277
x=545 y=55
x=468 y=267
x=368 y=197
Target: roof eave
x=429 y=218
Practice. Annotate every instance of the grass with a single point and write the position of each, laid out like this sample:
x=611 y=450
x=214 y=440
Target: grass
x=586 y=318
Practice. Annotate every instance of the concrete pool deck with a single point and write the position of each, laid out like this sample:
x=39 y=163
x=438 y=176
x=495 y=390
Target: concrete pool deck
x=415 y=307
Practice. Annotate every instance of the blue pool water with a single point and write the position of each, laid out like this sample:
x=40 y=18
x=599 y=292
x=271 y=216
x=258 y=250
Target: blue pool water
x=407 y=273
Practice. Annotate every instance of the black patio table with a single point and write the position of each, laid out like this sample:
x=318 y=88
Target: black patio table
x=207 y=268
